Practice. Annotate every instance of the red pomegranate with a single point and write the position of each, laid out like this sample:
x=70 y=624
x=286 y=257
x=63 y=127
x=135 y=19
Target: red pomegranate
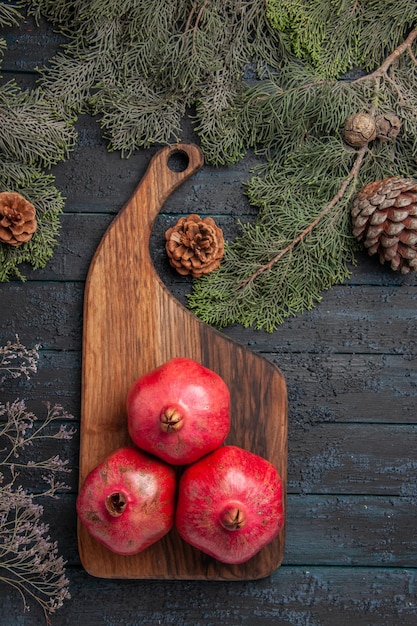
x=127 y=502
x=179 y=411
x=230 y=504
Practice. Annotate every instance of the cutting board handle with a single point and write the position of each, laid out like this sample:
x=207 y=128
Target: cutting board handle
x=168 y=169
x=128 y=236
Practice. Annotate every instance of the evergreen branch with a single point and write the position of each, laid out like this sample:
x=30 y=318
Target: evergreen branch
x=177 y=50
x=354 y=7
x=412 y=55
x=30 y=130
x=365 y=29
x=141 y=65
x=38 y=188
x=375 y=75
x=190 y=17
x=296 y=118
x=336 y=198
x=382 y=70
x=34 y=134
x=9 y=15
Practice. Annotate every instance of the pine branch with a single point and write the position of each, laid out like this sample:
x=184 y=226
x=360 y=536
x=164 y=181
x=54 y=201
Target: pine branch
x=30 y=130
x=34 y=135
x=339 y=195
x=140 y=65
x=382 y=70
x=335 y=37
x=301 y=239
x=39 y=189
x=405 y=46
x=9 y=15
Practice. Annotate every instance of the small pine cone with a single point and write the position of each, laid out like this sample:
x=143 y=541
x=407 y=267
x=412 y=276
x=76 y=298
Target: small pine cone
x=17 y=219
x=387 y=126
x=194 y=245
x=359 y=129
x=384 y=217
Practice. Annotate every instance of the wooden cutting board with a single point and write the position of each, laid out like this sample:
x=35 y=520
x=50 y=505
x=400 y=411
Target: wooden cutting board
x=132 y=324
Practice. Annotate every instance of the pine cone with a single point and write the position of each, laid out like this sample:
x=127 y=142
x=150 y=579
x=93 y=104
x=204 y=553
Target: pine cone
x=194 y=245
x=387 y=126
x=384 y=216
x=17 y=219
x=359 y=129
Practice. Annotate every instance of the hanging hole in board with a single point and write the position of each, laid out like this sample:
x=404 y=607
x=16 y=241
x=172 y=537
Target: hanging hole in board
x=178 y=161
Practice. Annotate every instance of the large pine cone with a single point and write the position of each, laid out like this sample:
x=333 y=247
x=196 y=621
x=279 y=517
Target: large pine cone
x=17 y=219
x=194 y=245
x=384 y=216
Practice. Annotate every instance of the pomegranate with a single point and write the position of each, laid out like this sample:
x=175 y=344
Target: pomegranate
x=127 y=502
x=230 y=504
x=179 y=411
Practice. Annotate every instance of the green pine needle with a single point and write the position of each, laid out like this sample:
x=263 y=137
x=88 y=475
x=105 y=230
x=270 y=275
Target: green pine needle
x=336 y=36
x=278 y=77
x=38 y=188
x=140 y=66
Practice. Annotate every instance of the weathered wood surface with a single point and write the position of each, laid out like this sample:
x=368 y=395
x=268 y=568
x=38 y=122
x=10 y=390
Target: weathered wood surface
x=351 y=370
x=320 y=391
x=322 y=530
x=350 y=320
x=294 y=595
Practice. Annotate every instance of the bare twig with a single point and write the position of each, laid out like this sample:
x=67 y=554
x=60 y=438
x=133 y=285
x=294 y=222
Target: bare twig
x=197 y=22
x=412 y=55
x=405 y=46
x=190 y=18
x=29 y=560
x=354 y=7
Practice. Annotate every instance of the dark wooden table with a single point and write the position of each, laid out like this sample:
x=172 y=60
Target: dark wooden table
x=351 y=371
